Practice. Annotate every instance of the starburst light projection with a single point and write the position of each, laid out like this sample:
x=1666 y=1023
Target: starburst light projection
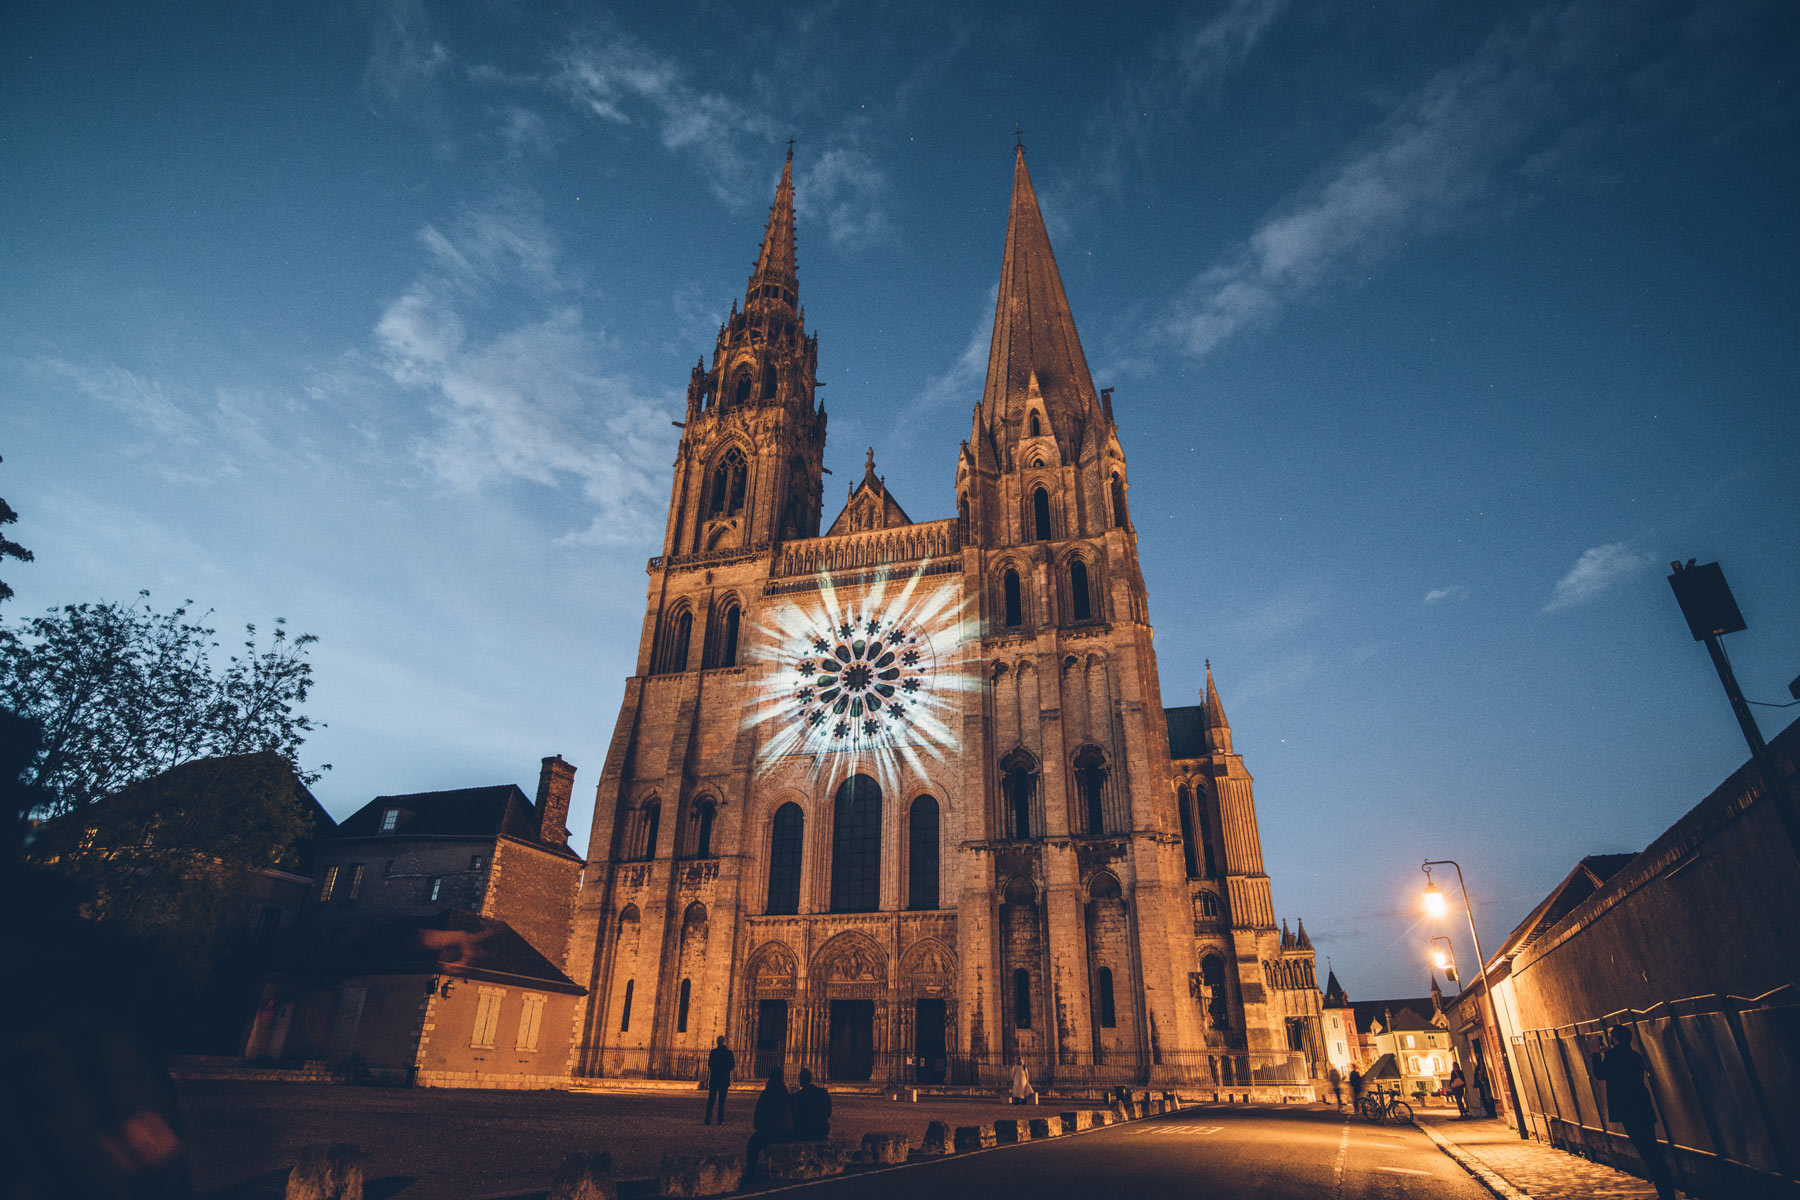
x=869 y=673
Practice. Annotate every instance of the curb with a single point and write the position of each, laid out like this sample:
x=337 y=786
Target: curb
x=1474 y=1166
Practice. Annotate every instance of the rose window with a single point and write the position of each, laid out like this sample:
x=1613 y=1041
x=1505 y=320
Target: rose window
x=852 y=675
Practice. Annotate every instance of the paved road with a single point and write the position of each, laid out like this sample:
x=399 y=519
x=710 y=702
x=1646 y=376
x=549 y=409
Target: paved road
x=1269 y=1154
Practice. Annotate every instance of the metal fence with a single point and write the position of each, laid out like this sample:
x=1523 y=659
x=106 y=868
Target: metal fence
x=1223 y=1072
x=1725 y=1076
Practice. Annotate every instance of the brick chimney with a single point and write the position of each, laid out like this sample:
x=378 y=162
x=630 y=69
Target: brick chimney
x=555 y=782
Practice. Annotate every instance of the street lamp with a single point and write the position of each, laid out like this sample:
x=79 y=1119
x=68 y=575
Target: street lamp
x=1436 y=907
x=1444 y=959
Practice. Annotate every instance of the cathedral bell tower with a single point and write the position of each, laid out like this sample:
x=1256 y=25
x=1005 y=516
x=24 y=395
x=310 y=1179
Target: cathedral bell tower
x=748 y=472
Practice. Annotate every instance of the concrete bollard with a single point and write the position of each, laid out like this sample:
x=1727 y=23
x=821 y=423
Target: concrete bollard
x=1104 y=1117
x=1171 y=1102
x=332 y=1172
x=1075 y=1122
x=1042 y=1128
x=1010 y=1131
x=585 y=1177
x=699 y=1174
x=792 y=1161
x=886 y=1147
x=973 y=1137
x=936 y=1141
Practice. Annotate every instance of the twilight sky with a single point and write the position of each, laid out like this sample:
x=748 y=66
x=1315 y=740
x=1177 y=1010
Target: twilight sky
x=1437 y=330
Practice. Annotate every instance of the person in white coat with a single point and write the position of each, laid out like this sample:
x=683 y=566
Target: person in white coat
x=1020 y=1087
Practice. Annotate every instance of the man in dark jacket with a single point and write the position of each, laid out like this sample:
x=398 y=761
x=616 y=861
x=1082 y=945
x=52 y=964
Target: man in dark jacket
x=1628 y=1102
x=719 y=1065
x=812 y=1110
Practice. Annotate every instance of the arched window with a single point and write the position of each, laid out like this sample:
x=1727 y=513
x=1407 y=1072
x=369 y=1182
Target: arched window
x=703 y=828
x=1015 y=603
x=625 y=1008
x=681 y=1006
x=1040 y=513
x=721 y=647
x=1015 y=793
x=1182 y=801
x=856 y=846
x=922 y=854
x=1205 y=831
x=1118 y=502
x=1037 y=428
x=743 y=388
x=1209 y=904
x=672 y=658
x=1081 y=603
x=1022 y=999
x=728 y=480
x=1090 y=786
x=1109 y=1018
x=648 y=820
x=962 y=517
x=786 y=833
x=769 y=382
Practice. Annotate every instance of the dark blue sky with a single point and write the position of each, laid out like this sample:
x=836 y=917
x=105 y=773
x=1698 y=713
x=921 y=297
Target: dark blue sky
x=1436 y=330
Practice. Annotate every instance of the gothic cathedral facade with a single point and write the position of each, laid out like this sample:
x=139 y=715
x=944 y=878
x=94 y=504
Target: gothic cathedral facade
x=899 y=801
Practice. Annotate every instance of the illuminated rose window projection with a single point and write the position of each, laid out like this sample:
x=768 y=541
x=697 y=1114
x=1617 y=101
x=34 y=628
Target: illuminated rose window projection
x=871 y=672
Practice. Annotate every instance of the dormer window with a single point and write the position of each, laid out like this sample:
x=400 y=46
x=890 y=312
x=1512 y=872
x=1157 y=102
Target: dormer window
x=389 y=819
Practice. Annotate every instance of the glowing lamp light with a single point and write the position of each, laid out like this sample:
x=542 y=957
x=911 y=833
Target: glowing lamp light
x=1435 y=905
x=1440 y=960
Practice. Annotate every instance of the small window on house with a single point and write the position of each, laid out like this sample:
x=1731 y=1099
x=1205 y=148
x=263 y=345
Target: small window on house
x=1022 y=999
x=1015 y=606
x=328 y=884
x=1108 y=1017
x=354 y=887
x=388 y=869
x=1040 y=513
x=389 y=819
x=435 y=888
x=625 y=1009
x=681 y=1006
x=487 y=1018
x=531 y=1016
x=476 y=862
x=1411 y=1041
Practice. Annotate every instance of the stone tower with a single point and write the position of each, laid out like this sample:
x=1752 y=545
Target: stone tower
x=901 y=801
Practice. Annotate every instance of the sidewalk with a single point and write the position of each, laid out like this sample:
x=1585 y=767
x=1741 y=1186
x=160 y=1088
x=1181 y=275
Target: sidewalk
x=1493 y=1152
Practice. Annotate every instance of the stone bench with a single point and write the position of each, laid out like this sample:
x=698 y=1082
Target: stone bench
x=1011 y=1131
x=789 y=1162
x=699 y=1174
x=974 y=1137
x=327 y=1173
x=886 y=1147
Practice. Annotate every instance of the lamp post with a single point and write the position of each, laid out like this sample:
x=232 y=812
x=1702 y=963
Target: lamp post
x=1444 y=959
x=1437 y=906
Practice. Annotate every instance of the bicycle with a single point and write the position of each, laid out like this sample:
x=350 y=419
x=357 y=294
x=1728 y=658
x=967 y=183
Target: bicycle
x=1384 y=1108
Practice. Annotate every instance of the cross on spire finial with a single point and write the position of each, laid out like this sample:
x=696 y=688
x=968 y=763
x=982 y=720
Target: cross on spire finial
x=790 y=149
x=1019 y=135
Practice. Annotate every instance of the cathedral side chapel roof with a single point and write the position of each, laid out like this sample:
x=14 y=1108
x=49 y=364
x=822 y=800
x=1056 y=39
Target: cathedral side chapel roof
x=481 y=812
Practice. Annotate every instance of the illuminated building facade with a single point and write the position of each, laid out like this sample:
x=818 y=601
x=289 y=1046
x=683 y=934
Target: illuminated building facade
x=900 y=801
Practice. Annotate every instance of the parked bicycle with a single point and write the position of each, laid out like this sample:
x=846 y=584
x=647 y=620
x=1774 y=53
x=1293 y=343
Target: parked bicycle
x=1384 y=1108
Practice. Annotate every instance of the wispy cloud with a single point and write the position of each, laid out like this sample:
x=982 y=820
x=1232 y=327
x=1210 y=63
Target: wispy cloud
x=522 y=398
x=1455 y=592
x=619 y=80
x=1433 y=160
x=406 y=61
x=960 y=383
x=843 y=189
x=1598 y=569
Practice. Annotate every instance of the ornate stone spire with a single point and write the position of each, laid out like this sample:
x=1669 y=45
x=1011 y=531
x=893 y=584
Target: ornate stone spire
x=1218 y=730
x=1034 y=331
x=775 y=264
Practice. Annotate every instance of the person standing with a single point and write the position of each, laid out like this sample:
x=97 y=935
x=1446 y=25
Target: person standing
x=1458 y=1086
x=1484 y=1091
x=1355 y=1086
x=719 y=1066
x=1020 y=1087
x=1336 y=1079
x=812 y=1110
x=1628 y=1103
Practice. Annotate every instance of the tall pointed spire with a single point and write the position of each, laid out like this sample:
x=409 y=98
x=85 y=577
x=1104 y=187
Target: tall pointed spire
x=1218 y=730
x=1034 y=331
x=775 y=264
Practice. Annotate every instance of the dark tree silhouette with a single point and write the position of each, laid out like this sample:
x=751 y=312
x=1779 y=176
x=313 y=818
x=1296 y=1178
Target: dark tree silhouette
x=8 y=547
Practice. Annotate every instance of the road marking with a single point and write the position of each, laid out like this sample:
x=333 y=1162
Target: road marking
x=1337 y=1172
x=1402 y=1171
x=1179 y=1130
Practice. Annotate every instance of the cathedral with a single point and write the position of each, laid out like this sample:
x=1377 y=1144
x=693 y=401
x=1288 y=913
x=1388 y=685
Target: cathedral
x=899 y=801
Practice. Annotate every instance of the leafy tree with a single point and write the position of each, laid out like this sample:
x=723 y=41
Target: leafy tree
x=8 y=547
x=170 y=861
x=123 y=693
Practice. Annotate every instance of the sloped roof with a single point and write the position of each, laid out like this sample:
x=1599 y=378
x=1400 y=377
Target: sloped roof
x=1187 y=731
x=1586 y=879
x=1407 y=1016
x=453 y=942
x=874 y=506
x=1334 y=991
